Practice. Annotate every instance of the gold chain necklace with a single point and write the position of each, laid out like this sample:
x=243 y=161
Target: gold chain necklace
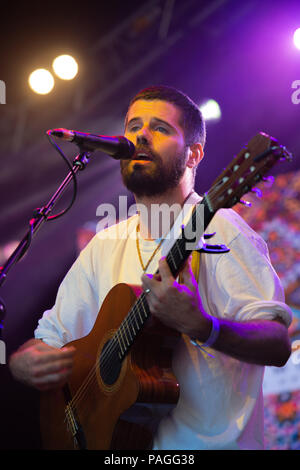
x=139 y=252
x=158 y=246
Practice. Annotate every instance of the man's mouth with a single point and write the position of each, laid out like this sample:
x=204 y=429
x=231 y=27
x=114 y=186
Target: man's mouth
x=142 y=156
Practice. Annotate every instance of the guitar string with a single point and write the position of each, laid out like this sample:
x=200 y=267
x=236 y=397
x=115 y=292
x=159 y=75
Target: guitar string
x=107 y=354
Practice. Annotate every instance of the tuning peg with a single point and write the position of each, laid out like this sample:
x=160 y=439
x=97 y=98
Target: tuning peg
x=286 y=154
x=269 y=180
x=257 y=192
x=245 y=203
x=207 y=236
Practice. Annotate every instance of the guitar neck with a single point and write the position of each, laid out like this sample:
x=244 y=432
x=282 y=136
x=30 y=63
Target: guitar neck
x=178 y=254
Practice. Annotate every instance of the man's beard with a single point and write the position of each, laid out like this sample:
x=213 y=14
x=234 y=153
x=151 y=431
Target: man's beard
x=154 y=178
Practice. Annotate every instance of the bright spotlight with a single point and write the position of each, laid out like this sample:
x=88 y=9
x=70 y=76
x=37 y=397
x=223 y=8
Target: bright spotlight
x=210 y=110
x=297 y=38
x=65 y=67
x=41 y=81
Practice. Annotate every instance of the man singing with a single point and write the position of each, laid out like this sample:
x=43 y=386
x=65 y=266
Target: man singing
x=232 y=318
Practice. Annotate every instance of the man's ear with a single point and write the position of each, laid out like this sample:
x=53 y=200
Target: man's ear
x=195 y=155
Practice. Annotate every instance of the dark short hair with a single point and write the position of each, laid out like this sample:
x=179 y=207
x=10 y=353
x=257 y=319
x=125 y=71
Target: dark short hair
x=191 y=121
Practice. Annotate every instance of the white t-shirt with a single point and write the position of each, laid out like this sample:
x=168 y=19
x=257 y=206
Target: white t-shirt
x=220 y=404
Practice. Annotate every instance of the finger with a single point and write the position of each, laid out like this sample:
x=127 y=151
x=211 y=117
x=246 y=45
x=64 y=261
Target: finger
x=44 y=347
x=53 y=367
x=165 y=272
x=51 y=355
x=151 y=289
x=68 y=351
x=147 y=281
x=51 y=380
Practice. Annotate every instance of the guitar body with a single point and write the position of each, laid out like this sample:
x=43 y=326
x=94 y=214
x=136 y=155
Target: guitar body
x=114 y=415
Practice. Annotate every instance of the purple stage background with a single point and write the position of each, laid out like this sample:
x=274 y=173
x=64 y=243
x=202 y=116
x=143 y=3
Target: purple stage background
x=239 y=53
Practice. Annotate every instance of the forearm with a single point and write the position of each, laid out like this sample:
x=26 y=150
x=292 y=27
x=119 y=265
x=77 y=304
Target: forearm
x=263 y=342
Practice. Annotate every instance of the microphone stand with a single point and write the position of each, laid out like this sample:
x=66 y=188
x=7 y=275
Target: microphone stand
x=39 y=217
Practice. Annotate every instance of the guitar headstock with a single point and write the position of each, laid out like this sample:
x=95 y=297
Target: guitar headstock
x=248 y=168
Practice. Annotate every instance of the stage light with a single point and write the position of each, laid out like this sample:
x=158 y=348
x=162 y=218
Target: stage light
x=297 y=38
x=65 y=67
x=210 y=110
x=41 y=81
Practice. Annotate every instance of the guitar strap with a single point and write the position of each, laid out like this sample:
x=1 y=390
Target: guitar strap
x=195 y=266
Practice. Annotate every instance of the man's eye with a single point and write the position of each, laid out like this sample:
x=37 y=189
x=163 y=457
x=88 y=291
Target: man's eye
x=133 y=128
x=162 y=129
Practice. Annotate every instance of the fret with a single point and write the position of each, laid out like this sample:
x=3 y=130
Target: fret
x=128 y=330
x=136 y=314
x=119 y=343
x=134 y=317
x=132 y=326
x=182 y=244
x=139 y=313
x=173 y=260
x=124 y=331
x=146 y=313
x=176 y=245
x=124 y=349
x=121 y=337
x=136 y=321
x=135 y=326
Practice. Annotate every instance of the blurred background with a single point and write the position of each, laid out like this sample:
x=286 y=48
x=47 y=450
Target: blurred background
x=238 y=60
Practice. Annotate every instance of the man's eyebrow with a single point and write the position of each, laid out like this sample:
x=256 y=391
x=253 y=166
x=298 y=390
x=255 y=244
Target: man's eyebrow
x=135 y=119
x=157 y=120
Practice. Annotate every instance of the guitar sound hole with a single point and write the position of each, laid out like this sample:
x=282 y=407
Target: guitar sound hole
x=110 y=364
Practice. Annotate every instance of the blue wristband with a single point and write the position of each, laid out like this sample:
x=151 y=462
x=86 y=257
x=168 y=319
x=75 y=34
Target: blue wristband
x=215 y=330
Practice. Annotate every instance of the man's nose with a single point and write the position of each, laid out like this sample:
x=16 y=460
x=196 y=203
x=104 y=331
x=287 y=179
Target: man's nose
x=141 y=139
x=143 y=136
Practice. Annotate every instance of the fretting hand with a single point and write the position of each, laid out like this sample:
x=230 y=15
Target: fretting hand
x=178 y=306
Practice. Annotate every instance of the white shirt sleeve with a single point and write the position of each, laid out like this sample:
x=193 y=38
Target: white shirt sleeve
x=75 y=308
x=247 y=286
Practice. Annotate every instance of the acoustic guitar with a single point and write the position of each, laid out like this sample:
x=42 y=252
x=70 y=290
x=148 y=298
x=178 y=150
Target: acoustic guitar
x=122 y=368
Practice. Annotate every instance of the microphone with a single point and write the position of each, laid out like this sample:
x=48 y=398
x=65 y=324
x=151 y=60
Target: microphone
x=117 y=147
